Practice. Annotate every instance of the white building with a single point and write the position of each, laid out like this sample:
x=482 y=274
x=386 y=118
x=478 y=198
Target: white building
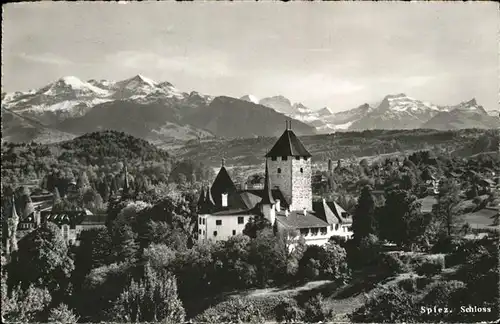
x=285 y=200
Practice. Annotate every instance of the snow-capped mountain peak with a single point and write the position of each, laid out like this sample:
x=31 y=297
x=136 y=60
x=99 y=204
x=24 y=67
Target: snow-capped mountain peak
x=250 y=98
x=71 y=84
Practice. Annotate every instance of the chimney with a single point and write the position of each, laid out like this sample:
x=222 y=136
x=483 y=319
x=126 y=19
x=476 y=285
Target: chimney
x=278 y=205
x=329 y=165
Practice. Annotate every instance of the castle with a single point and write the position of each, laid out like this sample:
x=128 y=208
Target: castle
x=285 y=201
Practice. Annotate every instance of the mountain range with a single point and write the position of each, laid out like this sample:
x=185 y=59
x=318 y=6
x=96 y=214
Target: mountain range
x=159 y=112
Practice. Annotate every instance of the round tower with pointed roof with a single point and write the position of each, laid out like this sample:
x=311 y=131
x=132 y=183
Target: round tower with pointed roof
x=290 y=170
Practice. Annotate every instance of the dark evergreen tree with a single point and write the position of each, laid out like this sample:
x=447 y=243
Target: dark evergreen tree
x=363 y=221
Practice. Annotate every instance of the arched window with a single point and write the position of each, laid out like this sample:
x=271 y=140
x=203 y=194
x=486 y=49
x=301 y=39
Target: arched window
x=301 y=170
x=279 y=170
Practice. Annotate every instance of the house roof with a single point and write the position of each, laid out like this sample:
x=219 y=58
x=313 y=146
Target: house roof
x=345 y=217
x=222 y=184
x=288 y=145
x=298 y=220
x=323 y=211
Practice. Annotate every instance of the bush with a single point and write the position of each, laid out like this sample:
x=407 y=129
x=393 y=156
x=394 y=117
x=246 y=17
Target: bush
x=62 y=314
x=288 y=311
x=430 y=268
x=409 y=285
x=315 y=310
x=245 y=309
x=387 y=305
x=448 y=294
x=392 y=264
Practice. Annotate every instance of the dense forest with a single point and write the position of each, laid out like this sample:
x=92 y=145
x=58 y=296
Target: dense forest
x=348 y=145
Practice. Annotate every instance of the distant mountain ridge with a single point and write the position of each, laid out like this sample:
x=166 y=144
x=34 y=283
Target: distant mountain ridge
x=158 y=111
x=397 y=111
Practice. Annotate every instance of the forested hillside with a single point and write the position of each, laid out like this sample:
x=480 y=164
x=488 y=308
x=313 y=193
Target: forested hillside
x=347 y=145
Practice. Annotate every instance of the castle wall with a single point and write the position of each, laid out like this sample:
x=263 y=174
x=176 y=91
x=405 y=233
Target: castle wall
x=293 y=183
x=282 y=180
x=207 y=226
x=301 y=184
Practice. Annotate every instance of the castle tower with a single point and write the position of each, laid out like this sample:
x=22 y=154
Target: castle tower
x=290 y=170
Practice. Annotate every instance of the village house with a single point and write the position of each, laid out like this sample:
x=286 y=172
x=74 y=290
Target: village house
x=285 y=200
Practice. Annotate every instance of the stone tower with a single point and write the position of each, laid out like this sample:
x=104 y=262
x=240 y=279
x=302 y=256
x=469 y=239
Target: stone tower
x=289 y=165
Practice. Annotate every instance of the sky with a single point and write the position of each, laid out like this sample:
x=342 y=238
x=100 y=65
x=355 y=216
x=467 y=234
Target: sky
x=338 y=55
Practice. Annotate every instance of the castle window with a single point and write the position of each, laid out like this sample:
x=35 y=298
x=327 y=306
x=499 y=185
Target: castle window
x=279 y=170
x=203 y=221
x=284 y=158
x=200 y=220
x=314 y=231
x=241 y=220
x=336 y=227
x=306 y=158
x=218 y=222
x=301 y=170
x=215 y=233
x=224 y=200
x=234 y=232
x=297 y=158
x=304 y=231
x=323 y=231
x=199 y=231
x=273 y=158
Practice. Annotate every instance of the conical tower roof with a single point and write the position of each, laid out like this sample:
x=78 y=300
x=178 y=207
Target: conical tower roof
x=288 y=145
x=267 y=197
x=14 y=211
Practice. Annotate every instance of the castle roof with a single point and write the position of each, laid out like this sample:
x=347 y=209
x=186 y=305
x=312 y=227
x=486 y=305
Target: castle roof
x=288 y=145
x=297 y=220
x=331 y=212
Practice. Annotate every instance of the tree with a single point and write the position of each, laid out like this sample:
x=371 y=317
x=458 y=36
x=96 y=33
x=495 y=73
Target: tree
x=363 y=222
x=334 y=265
x=62 y=314
x=83 y=182
x=25 y=305
x=387 y=305
x=45 y=253
x=153 y=298
x=401 y=220
x=255 y=225
x=446 y=210
x=315 y=310
x=94 y=251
